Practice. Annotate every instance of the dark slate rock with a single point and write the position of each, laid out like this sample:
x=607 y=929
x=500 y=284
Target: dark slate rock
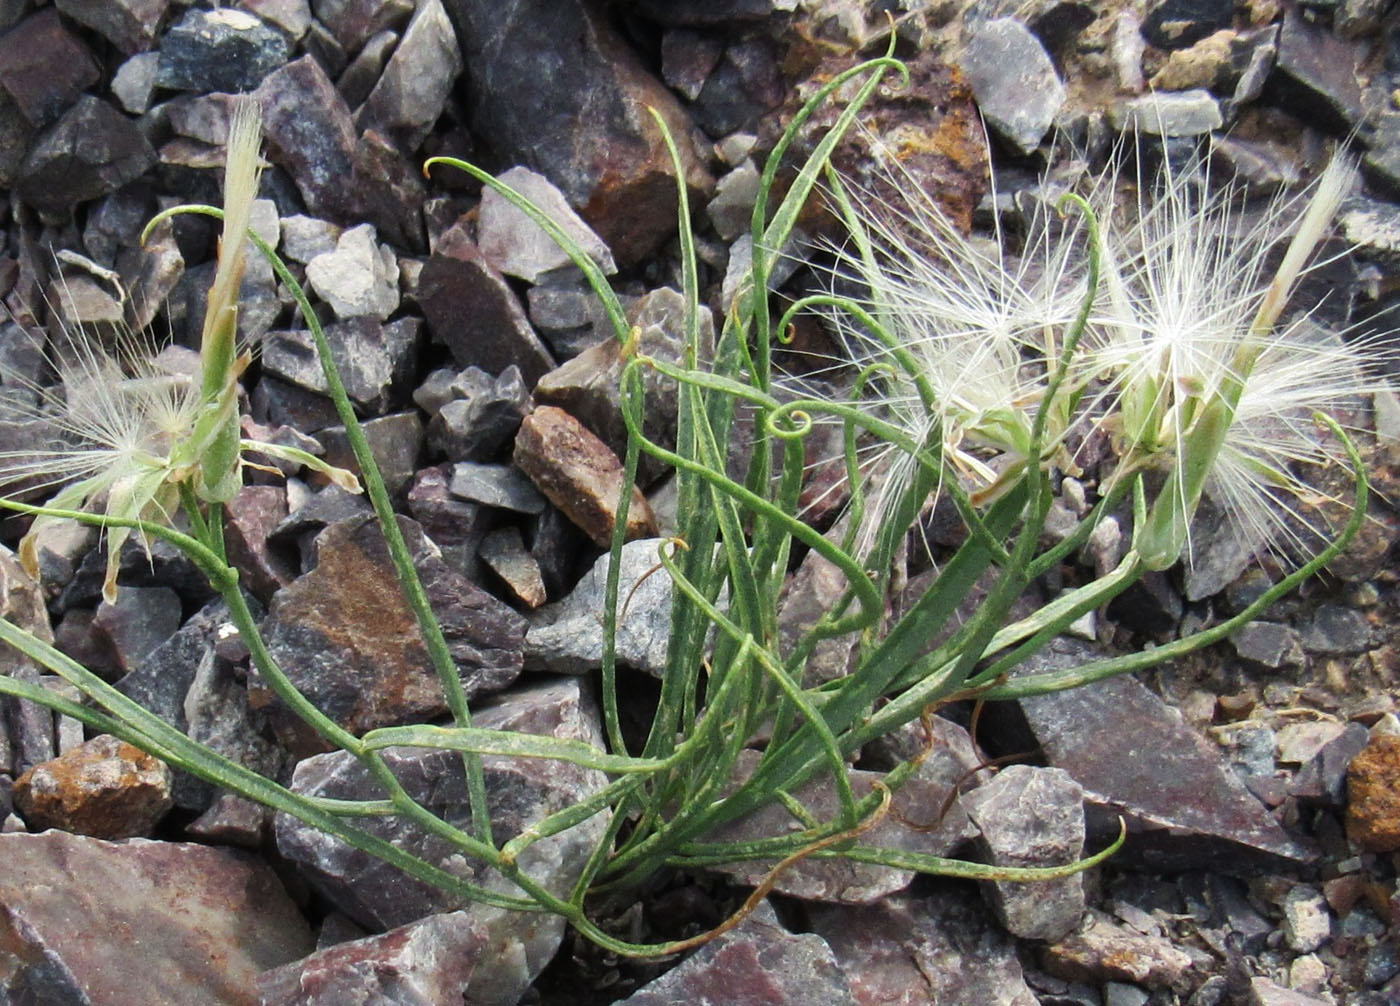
x=473 y=311
x=362 y=73
x=1176 y=24
x=1323 y=778
x=1335 y=630
x=130 y=25
x=1315 y=75
x=1182 y=804
x=744 y=86
x=688 y=58
x=141 y=619
x=480 y=420
x=1013 y=79
x=280 y=403
x=409 y=98
x=30 y=726
x=352 y=22
x=500 y=486
x=395 y=441
x=1031 y=816
x=44 y=67
x=520 y=791
x=310 y=133
x=250 y=517
x=455 y=526
x=1268 y=643
x=759 y=963
x=517 y=246
x=943 y=948
x=702 y=12
x=375 y=359
x=207 y=921
x=389 y=191
x=219 y=50
x=557 y=89
x=346 y=637
x=329 y=506
x=90 y=151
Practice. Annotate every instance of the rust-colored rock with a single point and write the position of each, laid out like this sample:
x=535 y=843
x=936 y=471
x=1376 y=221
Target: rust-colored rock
x=105 y=788
x=579 y=474
x=1373 y=795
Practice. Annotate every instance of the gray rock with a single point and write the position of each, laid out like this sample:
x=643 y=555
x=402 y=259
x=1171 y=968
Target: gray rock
x=90 y=151
x=1177 y=113
x=329 y=506
x=219 y=50
x=352 y=22
x=1336 y=629
x=502 y=486
x=1323 y=778
x=1031 y=816
x=310 y=133
x=1250 y=748
x=688 y=58
x=941 y=949
x=395 y=442
x=363 y=72
x=1372 y=227
x=435 y=391
x=473 y=311
x=455 y=526
x=1267 y=992
x=375 y=360
x=303 y=237
x=1269 y=644
x=409 y=98
x=344 y=633
x=359 y=278
x=1357 y=18
x=1176 y=24
x=521 y=792
x=759 y=963
x=1013 y=79
x=517 y=246
x=208 y=920
x=731 y=209
x=44 y=68
x=293 y=17
x=504 y=553
x=1315 y=75
x=480 y=420
x=1307 y=922
x=567 y=637
x=745 y=84
x=1182 y=804
x=218 y=715
x=130 y=25
x=555 y=87
x=140 y=620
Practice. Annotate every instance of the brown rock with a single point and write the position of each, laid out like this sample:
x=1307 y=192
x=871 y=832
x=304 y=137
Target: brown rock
x=252 y=516
x=1373 y=795
x=1101 y=950
x=105 y=788
x=43 y=67
x=579 y=475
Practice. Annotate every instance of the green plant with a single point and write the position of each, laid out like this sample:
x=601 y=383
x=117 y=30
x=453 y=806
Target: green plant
x=728 y=677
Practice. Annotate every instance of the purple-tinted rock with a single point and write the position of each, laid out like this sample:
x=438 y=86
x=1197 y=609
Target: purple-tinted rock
x=374 y=359
x=557 y=89
x=141 y=619
x=759 y=963
x=29 y=726
x=1031 y=816
x=362 y=73
x=389 y=191
x=206 y=922
x=309 y=132
x=1336 y=629
x=517 y=246
x=395 y=441
x=482 y=416
x=90 y=151
x=448 y=958
x=347 y=638
x=1323 y=778
x=907 y=951
x=687 y=59
x=520 y=791
x=130 y=25
x=292 y=16
x=1101 y=950
x=105 y=789
x=43 y=67
x=251 y=516
x=219 y=50
x=352 y=22
x=1315 y=74
x=455 y=526
x=704 y=12
x=1182 y=804
x=414 y=87
x=473 y=311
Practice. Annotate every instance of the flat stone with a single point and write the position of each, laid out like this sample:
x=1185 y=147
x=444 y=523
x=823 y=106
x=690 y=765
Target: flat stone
x=1030 y=816
x=140 y=620
x=352 y=22
x=1267 y=992
x=1315 y=75
x=759 y=963
x=481 y=416
x=1323 y=778
x=347 y=638
x=687 y=60
x=943 y=948
x=1269 y=643
x=1182 y=804
x=1101 y=950
x=518 y=246
x=207 y=922
x=304 y=237
x=105 y=789
x=395 y=441
x=416 y=82
x=219 y=50
x=359 y=278
x=579 y=474
x=455 y=526
x=293 y=17
x=252 y=515
x=90 y=151
x=500 y=486
x=473 y=311
x=555 y=87
x=1175 y=24
x=1373 y=795
x=1336 y=629
x=1013 y=79
x=328 y=506
x=746 y=84
x=130 y=25
x=44 y=67
x=566 y=637
x=504 y=553
x=1173 y=113
x=375 y=359
x=522 y=791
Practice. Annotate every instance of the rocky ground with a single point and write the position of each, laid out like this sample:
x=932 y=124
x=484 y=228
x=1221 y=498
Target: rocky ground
x=1260 y=779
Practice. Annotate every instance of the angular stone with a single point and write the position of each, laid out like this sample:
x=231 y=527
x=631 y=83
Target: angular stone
x=22 y=603
x=303 y=237
x=1182 y=804
x=566 y=637
x=473 y=311
x=504 y=553
x=517 y=246
x=141 y=619
x=1267 y=992
x=208 y=922
x=90 y=151
x=395 y=442
x=104 y=789
x=219 y=50
x=579 y=474
x=359 y=78
x=375 y=359
x=1323 y=778
x=759 y=963
x=220 y=717
x=1179 y=113
x=44 y=68
x=1014 y=81
x=498 y=486
x=414 y=87
x=920 y=819
x=1315 y=75
x=1336 y=629
x=1102 y=950
x=521 y=792
x=389 y=192
x=310 y=133
x=1030 y=816
x=352 y=22
x=1373 y=795
x=130 y=25
x=252 y=515
x=943 y=949
x=480 y=419
x=346 y=637
x=1175 y=24
x=1269 y=644
x=707 y=12
x=731 y=209
x=359 y=278
x=555 y=87
x=745 y=85
x=292 y=16
x=1307 y=923
x=455 y=526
